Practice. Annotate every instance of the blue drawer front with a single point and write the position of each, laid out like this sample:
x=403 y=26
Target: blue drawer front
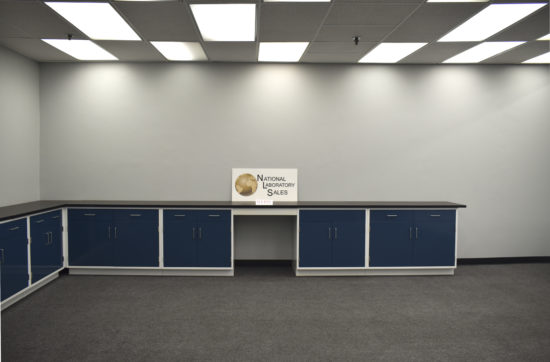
x=13 y=257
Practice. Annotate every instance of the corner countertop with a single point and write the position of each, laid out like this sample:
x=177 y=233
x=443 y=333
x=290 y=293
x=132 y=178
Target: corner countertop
x=21 y=210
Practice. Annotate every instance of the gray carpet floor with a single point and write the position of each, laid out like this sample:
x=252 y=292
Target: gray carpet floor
x=483 y=313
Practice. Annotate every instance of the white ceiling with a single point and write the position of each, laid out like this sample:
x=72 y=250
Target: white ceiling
x=329 y=27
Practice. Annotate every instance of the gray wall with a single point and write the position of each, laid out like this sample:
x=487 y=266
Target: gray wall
x=19 y=129
x=471 y=134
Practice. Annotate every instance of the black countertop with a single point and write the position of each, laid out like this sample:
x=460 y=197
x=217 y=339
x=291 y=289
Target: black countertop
x=19 y=210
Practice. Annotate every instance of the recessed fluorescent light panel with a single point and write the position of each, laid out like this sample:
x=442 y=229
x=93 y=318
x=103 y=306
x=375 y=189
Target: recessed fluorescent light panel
x=483 y=51
x=81 y=49
x=541 y=59
x=180 y=51
x=546 y=37
x=491 y=20
x=390 y=52
x=99 y=21
x=281 y=51
x=226 y=22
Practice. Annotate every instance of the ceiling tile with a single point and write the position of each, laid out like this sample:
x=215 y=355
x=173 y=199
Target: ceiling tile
x=519 y=54
x=530 y=28
x=36 y=20
x=338 y=47
x=231 y=51
x=431 y=21
x=345 y=33
x=368 y=14
x=138 y=51
x=35 y=49
x=331 y=58
x=291 y=21
x=437 y=52
x=168 y=21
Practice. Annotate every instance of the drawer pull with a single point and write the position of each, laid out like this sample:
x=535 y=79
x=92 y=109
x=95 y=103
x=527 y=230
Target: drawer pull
x=55 y=217
x=213 y=215
x=39 y=221
x=135 y=215
x=435 y=215
x=89 y=214
x=391 y=215
x=179 y=215
x=15 y=228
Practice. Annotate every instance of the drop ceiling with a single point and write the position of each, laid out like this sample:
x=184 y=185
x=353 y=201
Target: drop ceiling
x=329 y=27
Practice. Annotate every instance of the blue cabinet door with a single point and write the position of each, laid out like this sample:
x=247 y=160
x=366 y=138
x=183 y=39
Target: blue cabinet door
x=330 y=238
x=135 y=238
x=180 y=248
x=391 y=238
x=434 y=238
x=348 y=244
x=214 y=238
x=13 y=257
x=46 y=244
x=91 y=237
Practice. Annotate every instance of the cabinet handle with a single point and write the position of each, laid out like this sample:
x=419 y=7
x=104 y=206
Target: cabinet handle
x=329 y=229
x=416 y=232
x=335 y=233
x=179 y=215
x=89 y=214
x=135 y=215
x=200 y=233
x=410 y=233
x=193 y=233
x=55 y=217
x=15 y=228
x=435 y=215
x=116 y=232
x=39 y=221
x=213 y=215
x=109 y=228
x=391 y=215
x=47 y=238
x=2 y=260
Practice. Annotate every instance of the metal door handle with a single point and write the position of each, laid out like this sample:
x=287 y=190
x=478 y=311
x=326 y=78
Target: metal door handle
x=417 y=232
x=435 y=215
x=15 y=228
x=2 y=260
x=335 y=233
x=109 y=232
x=179 y=215
x=213 y=215
x=47 y=238
x=200 y=233
x=39 y=221
x=135 y=215
x=55 y=217
x=89 y=214
x=410 y=233
x=116 y=232
x=193 y=233
x=329 y=229
x=391 y=215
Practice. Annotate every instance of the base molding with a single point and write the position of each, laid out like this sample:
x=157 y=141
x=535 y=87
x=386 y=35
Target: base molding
x=507 y=260
x=29 y=290
x=151 y=272
x=374 y=272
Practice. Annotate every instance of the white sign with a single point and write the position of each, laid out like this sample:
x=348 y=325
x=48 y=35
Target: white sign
x=276 y=184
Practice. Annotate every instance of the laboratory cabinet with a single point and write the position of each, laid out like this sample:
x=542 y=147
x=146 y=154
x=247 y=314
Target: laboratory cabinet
x=13 y=257
x=412 y=238
x=113 y=237
x=197 y=238
x=46 y=244
x=332 y=238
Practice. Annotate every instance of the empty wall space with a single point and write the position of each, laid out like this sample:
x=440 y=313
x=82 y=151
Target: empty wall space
x=469 y=134
x=19 y=129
